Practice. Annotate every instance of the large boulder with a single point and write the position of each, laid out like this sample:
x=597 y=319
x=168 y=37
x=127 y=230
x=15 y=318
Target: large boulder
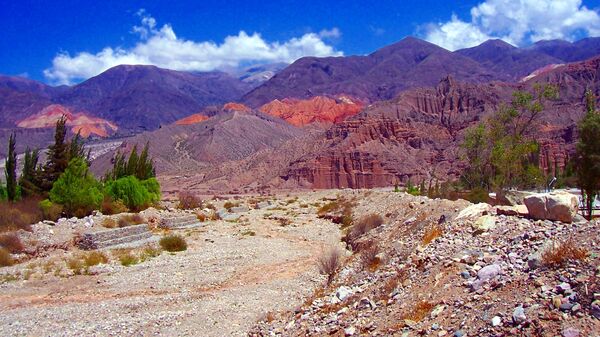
x=555 y=206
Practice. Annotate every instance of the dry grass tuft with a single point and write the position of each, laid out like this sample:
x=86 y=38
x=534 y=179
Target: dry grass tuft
x=369 y=258
x=94 y=258
x=110 y=207
x=564 y=251
x=432 y=233
x=187 y=200
x=419 y=311
x=130 y=220
x=20 y=214
x=173 y=243
x=5 y=258
x=228 y=205
x=12 y=243
x=109 y=223
x=362 y=226
x=329 y=263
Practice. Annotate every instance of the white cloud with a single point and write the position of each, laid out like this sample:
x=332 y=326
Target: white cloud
x=162 y=47
x=519 y=22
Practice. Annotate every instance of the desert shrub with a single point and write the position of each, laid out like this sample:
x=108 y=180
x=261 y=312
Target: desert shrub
x=210 y=206
x=329 y=263
x=11 y=242
x=369 y=257
x=201 y=217
x=19 y=215
x=128 y=259
x=130 y=220
x=77 y=265
x=432 y=233
x=50 y=210
x=419 y=311
x=94 y=258
x=188 y=200
x=77 y=189
x=567 y=250
x=173 y=243
x=109 y=223
x=111 y=207
x=338 y=211
x=151 y=252
x=228 y=205
x=362 y=226
x=477 y=195
x=5 y=258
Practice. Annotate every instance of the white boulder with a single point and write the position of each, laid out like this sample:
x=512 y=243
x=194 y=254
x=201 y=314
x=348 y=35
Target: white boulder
x=555 y=206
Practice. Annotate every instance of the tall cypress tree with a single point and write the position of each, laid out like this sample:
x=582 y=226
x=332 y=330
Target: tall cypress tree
x=10 y=170
x=30 y=175
x=58 y=156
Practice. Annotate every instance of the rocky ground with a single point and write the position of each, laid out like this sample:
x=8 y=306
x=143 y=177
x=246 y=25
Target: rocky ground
x=433 y=268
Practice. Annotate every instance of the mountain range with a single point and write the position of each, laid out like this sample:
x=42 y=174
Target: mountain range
x=357 y=121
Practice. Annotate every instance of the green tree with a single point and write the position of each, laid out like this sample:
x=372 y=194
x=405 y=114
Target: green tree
x=29 y=177
x=588 y=154
x=10 y=170
x=58 y=156
x=501 y=152
x=77 y=189
x=141 y=166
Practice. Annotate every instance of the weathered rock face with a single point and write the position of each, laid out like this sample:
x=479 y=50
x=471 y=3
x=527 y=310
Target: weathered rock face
x=559 y=206
x=407 y=138
x=193 y=119
x=317 y=109
x=80 y=122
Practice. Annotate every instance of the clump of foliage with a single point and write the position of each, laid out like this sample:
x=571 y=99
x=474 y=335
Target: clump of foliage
x=19 y=215
x=360 y=227
x=50 y=210
x=188 y=200
x=567 y=250
x=329 y=263
x=130 y=220
x=94 y=258
x=412 y=190
x=111 y=207
x=77 y=189
x=501 y=152
x=588 y=154
x=173 y=243
x=133 y=193
x=5 y=258
x=12 y=243
x=29 y=180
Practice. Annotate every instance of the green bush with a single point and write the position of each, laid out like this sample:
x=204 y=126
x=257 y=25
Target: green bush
x=173 y=243
x=76 y=189
x=135 y=194
x=50 y=210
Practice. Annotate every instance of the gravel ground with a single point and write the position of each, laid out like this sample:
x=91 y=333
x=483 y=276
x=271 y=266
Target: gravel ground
x=231 y=275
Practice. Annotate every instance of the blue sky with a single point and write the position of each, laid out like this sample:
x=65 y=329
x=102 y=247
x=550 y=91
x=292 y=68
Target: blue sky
x=68 y=41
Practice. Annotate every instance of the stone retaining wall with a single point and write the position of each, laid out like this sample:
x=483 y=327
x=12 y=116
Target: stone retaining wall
x=187 y=221
x=111 y=237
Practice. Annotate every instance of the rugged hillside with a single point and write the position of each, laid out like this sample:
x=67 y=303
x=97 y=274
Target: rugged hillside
x=569 y=51
x=378 y=76
x=318 y=109
x=197 y=147
x=416 y=135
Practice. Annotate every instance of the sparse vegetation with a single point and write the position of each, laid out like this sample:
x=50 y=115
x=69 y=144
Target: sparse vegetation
x=420 y=310
x=330 y=262
x=50 y=210
x=127 y=259
x=110 y=207
x=5 y=258
x=109 y=223
x=562 y=252
x=77 y=265
x=19 y=215
x=173 y=243
x=187 y=200
x=94 y=258
x=362 y=226
x=228 y=205
x=130 y=220
x=12 y=243
x=431 y=233
x=370 y=258
x=338 y=211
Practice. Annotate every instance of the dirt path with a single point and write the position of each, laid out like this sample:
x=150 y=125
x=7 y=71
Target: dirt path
x=225 y=281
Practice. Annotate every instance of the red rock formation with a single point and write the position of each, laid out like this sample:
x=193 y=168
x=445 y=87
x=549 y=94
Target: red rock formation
x=192 y=119
x=317 y=109
x=79 y=122
x=231 y=106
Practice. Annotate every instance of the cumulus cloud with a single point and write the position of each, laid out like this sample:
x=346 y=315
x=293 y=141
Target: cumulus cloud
x=519 y=22
x=162 y=47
